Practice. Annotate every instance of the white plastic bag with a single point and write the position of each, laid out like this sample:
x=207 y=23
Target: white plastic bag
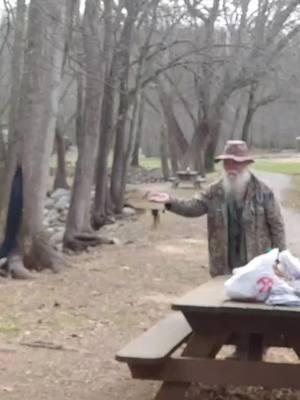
x=289 y=264
x=283 y=295
x=266 y=259
x=255 y=280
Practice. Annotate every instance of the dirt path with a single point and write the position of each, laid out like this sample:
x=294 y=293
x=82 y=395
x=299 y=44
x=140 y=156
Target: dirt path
x=91 y=310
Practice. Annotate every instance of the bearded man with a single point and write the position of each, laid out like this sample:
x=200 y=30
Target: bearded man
x=244 y=218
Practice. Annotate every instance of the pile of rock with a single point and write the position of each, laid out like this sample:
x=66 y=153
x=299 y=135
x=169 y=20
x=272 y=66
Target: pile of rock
x=138 y=175
x=56 y=207
x=55 y=215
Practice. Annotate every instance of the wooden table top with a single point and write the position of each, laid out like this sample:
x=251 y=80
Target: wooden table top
x=210 y=298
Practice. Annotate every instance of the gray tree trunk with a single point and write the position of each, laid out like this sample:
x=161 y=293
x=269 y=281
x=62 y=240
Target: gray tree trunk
x=164 y=154
x=119 y=160
x=139 y=132
x=102 y=200
x=78 y=224
x=60 y=175
x=17 y=62
x=38 y=108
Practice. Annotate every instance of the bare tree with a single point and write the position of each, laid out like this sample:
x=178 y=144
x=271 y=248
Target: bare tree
x=102 y=203
x=252 y=106
x=61 y=175
x=17 y=61
x=38 y=107
x=232 y=58
x=78 y=231
x=123 y=59
x=139 y=131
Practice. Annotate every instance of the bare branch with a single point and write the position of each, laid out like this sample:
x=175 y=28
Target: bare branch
x=183 y=100
x=194 y=11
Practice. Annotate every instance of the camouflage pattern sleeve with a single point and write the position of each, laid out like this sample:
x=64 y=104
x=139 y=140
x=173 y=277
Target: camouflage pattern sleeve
x=275 y=222
x=195 y=207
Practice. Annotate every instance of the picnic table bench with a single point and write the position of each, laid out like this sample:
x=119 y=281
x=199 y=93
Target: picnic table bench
x=182 y=348
x=188 y=176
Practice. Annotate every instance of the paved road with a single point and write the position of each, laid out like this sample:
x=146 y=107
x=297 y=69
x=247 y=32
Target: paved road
x=281 y=183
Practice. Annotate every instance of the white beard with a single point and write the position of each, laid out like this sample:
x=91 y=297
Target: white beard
x=236 y=185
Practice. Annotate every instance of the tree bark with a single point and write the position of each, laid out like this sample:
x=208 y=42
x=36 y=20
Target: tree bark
x=38 y=107
x=102 y=202
x=164 y=154
x=249 y=114
x=13 y=149
x=178 y=143
x=214 y=125
x=137 y=145
x=133 y=129
x=3 y=149
x=60 y=175
x=78 y=226
x=119 y=159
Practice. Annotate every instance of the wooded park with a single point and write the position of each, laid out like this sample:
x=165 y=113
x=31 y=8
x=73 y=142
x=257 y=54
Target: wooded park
x=102 y=101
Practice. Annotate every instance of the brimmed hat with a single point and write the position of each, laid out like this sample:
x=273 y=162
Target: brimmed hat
x=236 y=150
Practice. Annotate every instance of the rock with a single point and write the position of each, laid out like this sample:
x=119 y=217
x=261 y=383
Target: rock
x=128 y=212
x=51 y=217
x=62 y=203
x=110 y=220
x=62 y=219
x=58 y=193
x=57 y=237
x=49 y=203
x=116 y=241
x=142 y=175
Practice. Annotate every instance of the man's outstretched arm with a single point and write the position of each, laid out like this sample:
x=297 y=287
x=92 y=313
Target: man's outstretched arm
x=195 y=207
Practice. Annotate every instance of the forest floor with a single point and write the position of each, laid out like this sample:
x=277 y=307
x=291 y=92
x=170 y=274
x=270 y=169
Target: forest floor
x=59 y=333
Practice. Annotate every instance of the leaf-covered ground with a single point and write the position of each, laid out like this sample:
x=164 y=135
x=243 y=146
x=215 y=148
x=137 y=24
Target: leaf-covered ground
x=59 y=333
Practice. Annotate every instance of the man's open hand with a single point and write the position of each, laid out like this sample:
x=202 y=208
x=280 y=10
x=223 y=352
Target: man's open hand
x=159 y=197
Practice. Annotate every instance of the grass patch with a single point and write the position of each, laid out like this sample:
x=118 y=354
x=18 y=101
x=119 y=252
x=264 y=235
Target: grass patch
x=150 y=162
x=9 y=326
x=284 y=166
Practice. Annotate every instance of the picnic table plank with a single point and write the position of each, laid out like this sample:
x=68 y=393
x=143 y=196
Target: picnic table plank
x=224 y=372
x=210 y=297
x=158 y=342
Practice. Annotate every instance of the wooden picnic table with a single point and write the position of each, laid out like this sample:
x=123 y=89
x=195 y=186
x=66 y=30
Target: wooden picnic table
x=188 y=176
x=215 y=321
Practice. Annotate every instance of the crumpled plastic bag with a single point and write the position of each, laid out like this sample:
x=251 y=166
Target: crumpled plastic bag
x=262 y=279
x=290 y=264
x=283 y=295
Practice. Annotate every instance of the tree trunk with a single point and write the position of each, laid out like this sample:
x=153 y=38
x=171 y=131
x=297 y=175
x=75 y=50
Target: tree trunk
x=173 y=154
x=236 y=118
x=79 y=109
x=101 y=195
x=137 y=145
x=212 y=130
x=210 y=155
x=178 y=143
x=38 y=107
x=133 y=129
x=60 y=175
x=102 y=202
x=249 y=115
x=119 y=160
x=78 y=231
x=16 y=68
x=17 y=62
x=3 y=149
x=164 y=154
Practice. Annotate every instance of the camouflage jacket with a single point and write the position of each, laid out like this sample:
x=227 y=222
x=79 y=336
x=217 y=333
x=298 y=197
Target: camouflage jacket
x=262 y=221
